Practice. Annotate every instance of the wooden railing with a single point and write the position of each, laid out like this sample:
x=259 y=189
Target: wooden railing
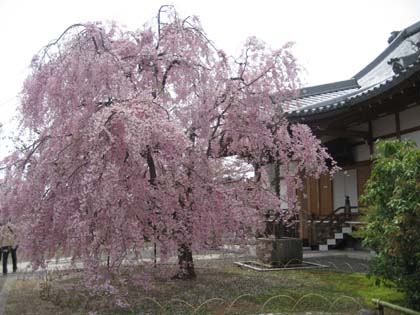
x=327 y=226
x=381 y=305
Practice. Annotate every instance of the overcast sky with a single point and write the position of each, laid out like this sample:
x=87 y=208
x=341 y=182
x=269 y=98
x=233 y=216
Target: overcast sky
x=334 y=38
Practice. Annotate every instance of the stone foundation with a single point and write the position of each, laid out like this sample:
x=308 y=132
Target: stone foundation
x=279 y=252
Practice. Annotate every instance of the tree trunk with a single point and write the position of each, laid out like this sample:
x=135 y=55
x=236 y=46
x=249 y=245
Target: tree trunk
x=186 y=264
x=276 y=179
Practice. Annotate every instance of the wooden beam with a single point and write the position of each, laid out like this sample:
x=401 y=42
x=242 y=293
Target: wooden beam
x=343 y=133
x=397 y=125
x=363 y=112
x=402 y=132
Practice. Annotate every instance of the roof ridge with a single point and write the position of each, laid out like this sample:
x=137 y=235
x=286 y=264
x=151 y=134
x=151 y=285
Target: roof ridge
x=327 y=88
x=407 y=32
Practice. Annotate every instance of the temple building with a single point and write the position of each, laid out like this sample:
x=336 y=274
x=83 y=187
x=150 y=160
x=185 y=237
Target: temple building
x=382 y=101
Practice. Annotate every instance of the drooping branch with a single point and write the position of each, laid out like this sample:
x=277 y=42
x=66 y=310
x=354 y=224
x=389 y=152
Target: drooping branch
x=166 y=73
x=34 y=149
x=152 y=115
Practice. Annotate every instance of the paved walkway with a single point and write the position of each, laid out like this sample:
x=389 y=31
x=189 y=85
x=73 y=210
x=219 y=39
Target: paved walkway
x=228 y=253
x=354 y=254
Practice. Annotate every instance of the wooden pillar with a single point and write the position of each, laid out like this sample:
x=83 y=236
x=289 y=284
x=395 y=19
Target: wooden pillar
x=303 y=212
x=325 y=195
x=313 y=197
x=363 y=174
x=370 y=140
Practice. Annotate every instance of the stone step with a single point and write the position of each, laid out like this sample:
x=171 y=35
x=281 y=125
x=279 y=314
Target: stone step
x=338 y=236
x=331 y=241
x=323 y=248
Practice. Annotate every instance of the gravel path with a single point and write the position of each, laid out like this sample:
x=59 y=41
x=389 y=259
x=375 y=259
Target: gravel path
x=5 y=283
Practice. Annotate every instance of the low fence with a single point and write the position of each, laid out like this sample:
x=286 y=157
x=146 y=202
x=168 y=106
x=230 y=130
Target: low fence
x=381 y=305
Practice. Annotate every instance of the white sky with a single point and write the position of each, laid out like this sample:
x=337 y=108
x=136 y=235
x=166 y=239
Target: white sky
x=334 y=38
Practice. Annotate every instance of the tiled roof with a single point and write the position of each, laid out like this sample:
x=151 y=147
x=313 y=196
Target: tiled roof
x=375 y=78
x=354 y=95
x=299 y=104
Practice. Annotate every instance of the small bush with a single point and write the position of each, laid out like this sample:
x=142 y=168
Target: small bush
x=393 y=230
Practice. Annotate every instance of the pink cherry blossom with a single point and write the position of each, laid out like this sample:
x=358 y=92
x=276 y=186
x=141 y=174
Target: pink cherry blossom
x=127 y=138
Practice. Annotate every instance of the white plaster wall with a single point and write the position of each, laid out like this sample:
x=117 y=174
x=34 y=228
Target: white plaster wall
x=410 y=118
x=345 y=184
x=269 y=169
x=361 y=152
x=283 y=194
x=384 y=125
x=413 y=136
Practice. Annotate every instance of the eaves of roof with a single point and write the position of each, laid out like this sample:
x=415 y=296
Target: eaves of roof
x=358 y=96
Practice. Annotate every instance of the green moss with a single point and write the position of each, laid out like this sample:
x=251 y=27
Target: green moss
x=366 y=287
x=348 y=290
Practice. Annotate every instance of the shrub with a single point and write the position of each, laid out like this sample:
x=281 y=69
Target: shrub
x=393 y=220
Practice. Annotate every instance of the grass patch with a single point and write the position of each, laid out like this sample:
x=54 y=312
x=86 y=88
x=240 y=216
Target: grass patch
x=221 y=289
